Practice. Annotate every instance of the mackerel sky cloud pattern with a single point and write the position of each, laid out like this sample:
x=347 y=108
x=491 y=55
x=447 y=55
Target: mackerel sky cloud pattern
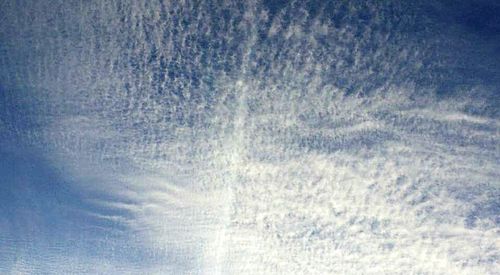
x=249 y=137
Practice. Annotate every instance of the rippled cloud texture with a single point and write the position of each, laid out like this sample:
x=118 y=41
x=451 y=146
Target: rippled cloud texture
x=249 y=137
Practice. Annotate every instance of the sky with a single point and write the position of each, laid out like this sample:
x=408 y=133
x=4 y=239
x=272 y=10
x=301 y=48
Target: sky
x=249 y=137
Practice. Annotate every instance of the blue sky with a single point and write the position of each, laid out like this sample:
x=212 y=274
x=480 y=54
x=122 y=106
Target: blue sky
x=250 y=137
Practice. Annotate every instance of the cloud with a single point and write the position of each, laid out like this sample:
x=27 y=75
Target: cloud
x=222 y=138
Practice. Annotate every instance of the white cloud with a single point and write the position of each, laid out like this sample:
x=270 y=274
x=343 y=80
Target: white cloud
x=286 y=155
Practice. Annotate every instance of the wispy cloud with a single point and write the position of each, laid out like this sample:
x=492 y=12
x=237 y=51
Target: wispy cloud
x=228 y=137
